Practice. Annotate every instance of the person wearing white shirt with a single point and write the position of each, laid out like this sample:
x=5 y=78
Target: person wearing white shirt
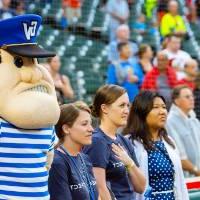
x=177 y=56
x=119 y=14
x=184 y=127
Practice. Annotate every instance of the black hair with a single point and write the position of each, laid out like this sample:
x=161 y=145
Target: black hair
x=121 y=45
x=137 y=125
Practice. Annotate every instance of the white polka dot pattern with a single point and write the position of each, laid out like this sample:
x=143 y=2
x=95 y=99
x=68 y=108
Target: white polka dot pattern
x=161 y=172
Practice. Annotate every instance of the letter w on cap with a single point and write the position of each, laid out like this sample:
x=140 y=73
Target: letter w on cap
x=30 y=30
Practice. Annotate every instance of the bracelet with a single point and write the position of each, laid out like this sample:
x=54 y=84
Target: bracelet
x=129 y=167
x=195 y=169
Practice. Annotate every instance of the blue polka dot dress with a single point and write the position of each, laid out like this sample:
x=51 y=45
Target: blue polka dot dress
x=161 y=173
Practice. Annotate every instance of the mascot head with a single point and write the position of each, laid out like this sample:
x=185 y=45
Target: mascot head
x=27 y=94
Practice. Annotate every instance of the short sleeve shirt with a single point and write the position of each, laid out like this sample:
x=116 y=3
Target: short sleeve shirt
x=66 y=181
x=102 y=156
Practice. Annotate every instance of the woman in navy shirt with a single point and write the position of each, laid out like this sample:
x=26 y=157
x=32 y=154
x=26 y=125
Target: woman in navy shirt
x=70 y=176
x=113 y=157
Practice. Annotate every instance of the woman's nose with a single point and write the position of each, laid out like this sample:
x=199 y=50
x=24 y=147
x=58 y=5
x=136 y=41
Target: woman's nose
x=90 y=128
x=163 y=110
x=126 y=109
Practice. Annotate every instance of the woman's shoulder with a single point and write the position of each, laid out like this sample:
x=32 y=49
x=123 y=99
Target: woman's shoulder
x=126 y=139
x=136 y=143
x=99 y=136
x=60 y=160
x=86 y=159
x=100 y=143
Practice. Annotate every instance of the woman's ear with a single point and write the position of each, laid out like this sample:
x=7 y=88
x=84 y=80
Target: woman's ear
x=104 y=108
x=176 y=102
x=65 y=129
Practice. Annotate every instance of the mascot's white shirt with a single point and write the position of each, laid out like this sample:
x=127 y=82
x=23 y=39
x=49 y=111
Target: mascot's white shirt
x=23 y=156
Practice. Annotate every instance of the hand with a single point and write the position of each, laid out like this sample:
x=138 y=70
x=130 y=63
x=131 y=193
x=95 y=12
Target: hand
x=58 y=84
x=122 y=155
x=132 y=78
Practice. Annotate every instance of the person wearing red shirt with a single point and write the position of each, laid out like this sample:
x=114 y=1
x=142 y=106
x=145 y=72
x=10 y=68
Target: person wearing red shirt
x=190 y=68
x=162 y=78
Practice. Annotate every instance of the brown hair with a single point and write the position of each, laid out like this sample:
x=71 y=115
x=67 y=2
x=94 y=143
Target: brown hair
x=107 y=94
x=142 y=49
x=177 y=90
x=49 y=59
x=69 y=114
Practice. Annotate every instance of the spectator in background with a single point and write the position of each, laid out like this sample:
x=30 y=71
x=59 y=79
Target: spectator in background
x=130 y=4
x=184 y=127
x=162 y=8
x=197 y=96
x=190 y=69
x=72 y=10
x=155 y=150
x=172 y=22
x=113 y=157
x=70 y=176
x=18 y=6
x=119 y=14
x=124 y=73
x=176 y=56
x=150 y=8
x=145 y=55
x=123 y=35
x=139 y=26
x=192 y=15
x=6 y=11
x=162 y=78
x=62 y=82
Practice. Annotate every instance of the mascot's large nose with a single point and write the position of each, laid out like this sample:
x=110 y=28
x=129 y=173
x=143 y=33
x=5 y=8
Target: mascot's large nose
x=31 y=74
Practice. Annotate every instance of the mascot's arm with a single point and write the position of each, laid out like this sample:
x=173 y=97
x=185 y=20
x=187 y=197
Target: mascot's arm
x=50 y=155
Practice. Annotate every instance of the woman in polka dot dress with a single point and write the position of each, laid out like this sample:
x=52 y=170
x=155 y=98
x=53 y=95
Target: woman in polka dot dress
x=155 y=150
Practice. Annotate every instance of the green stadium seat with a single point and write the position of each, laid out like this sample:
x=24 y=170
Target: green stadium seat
x=195 y=195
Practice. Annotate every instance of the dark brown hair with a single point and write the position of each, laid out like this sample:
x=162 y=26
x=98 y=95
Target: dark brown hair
x=177 y=90
x=137 y=125
x=142 y=49
x=107 y=94
x=121 y=45
x=69 y=114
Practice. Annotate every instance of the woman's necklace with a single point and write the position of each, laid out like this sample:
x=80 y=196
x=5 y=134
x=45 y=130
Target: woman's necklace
x=83 y=173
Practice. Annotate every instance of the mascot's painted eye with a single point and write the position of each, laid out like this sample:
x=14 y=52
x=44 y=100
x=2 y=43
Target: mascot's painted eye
x=18 y=61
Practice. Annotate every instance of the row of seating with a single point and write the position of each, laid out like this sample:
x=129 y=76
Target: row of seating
x=80 y=53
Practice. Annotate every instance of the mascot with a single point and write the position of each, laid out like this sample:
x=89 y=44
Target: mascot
x=28 y=111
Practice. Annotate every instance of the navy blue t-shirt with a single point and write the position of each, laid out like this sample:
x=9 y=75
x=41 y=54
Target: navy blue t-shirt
x=66 y=180
x=102 y=156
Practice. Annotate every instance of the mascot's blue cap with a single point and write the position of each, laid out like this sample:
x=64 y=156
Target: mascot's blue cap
x=18 y=36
